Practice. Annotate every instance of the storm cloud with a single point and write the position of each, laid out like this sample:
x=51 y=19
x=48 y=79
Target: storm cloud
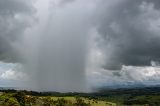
x=15 y=17
x=129 y=33
x=110 y=40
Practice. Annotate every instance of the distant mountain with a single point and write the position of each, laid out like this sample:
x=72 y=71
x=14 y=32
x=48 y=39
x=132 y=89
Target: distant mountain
x=6 y=88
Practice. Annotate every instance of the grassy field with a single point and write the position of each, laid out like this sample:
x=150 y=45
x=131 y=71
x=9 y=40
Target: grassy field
x=86 y=100
x=21 y=99
x=148 y=96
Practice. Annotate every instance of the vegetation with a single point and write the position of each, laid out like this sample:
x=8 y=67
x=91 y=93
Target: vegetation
x=19 y=98
x=105 y=97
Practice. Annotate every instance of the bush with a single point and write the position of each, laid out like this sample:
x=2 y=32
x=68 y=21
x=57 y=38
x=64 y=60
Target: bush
x=20 y=96
x=9 y=102
x=80 y=102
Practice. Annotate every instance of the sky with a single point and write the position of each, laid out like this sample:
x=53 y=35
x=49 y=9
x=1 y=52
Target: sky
x=113 y=42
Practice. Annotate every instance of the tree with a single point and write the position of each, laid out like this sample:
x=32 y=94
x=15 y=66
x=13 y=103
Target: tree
x=20 y=96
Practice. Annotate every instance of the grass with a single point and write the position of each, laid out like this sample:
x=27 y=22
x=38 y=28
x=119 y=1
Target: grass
x=86 y=100
x=7 y=99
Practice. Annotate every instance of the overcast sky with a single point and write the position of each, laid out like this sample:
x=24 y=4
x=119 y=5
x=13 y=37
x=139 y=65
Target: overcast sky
x=122 y=38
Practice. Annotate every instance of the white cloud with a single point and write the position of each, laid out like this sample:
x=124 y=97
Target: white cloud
x=12 y=71
x=13 y=75
x=128 y=75
x=141 y=74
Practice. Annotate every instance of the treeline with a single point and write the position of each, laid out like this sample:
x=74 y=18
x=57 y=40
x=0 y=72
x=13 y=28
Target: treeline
x=122 y=96
x=100 y=92
x=131 y=96
x=36 y=93
x=129 y=91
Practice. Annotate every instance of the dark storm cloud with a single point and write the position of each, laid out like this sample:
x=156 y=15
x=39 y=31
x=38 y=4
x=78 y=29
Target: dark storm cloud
x=66 y=1
x=14 y=19
x=155 y=2
x=12 y=7
x=130 y=33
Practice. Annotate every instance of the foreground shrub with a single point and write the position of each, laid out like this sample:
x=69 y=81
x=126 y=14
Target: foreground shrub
x=80 y=102
x=20 y=96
